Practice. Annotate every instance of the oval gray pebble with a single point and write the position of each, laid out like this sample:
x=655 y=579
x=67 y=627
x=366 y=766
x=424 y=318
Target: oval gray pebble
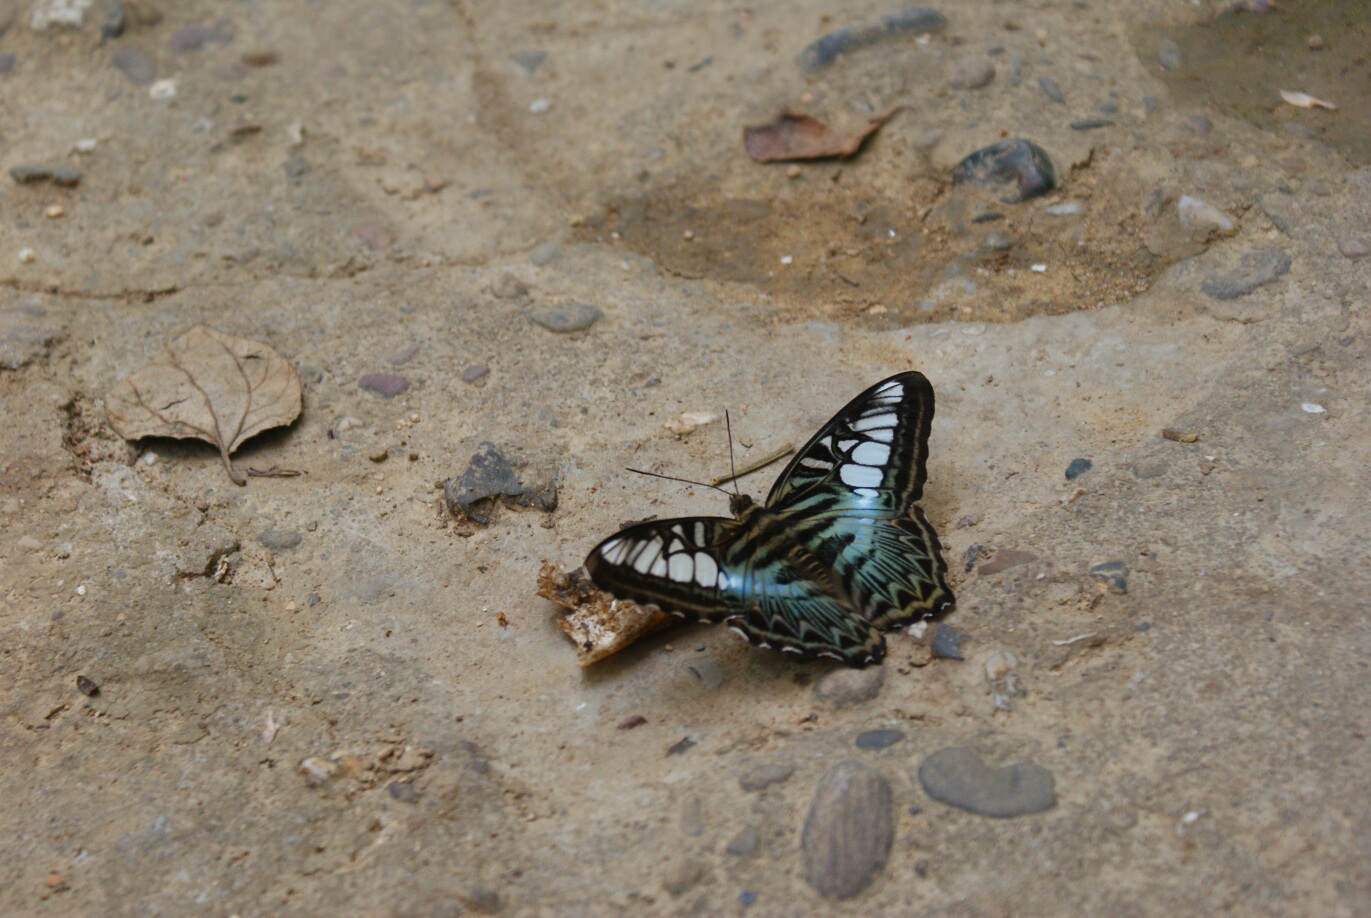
x=386 y=384
x=761 y=777
x=475 y=373
x=279 y=539
x=850 y=686
x=959 y=778
x=566 y=318
x=1254 y=270
x=972 y=72
x=135 y=65
x=848 y=831
x=1169 y=55
x=195 y=37
x=1051 y=90
x=544 y=253
x=1354 y=247
x=878 y=739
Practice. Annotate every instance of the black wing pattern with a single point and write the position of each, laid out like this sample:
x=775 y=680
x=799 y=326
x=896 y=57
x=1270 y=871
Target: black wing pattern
x=838 y=553
x=713 y=569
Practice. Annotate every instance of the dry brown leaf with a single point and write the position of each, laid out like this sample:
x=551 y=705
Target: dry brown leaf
x=1305 y=100
x=209 y=386
x=795 y=136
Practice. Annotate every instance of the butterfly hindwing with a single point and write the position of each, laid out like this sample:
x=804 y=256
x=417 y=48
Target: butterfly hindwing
x=875 y=449
x=715 y=570
x=892 y=568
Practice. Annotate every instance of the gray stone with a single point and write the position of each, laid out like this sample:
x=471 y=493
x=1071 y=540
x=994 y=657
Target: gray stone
x=680 y=875
x=487 y=478
x=529 y=60
x=1077 y=467
x=848 y=831
x=1255 y=269
x=972 y=72
x=1354 y=247
x=1169 y=55
x=279 y=539
x=8 y=61
x=1021 y=168
x=198 y=553
x=135 y=65
x=26 y=335
x=760 y=777
x=386 y=384
x=475 y=373
x=544 y=252
x=1113 y=574
x=845 y=687
x=195 y=37
x=959 y=778
x=904 y=23
x=1090 y=124
x=28 y=175
x=566 y=318
x=878 y=739
x=1051 y=90
x=707 y=671
x=947 y=642
x=744 y=843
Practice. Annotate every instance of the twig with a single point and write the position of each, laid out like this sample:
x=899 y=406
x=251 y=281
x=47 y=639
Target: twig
x=779 y=453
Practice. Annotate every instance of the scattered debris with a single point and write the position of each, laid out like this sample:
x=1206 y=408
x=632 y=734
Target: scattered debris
x=912 y=21
x=1304 y=100
x=490 y=478
x=87 y=686
x=1113 y=574
x=210 y=386
x=599 y=624
x=1020 y=163
x=794 y=136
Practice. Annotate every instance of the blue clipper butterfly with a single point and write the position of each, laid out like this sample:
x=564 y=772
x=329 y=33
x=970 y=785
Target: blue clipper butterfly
x=839 y=552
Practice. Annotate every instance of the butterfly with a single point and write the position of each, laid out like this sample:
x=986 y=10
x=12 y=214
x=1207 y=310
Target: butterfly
x=839 y=552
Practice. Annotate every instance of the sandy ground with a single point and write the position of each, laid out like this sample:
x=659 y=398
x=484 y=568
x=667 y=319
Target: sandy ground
x=399 y=187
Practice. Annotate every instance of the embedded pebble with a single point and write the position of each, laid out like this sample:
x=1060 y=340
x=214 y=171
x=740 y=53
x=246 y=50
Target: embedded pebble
x=1113 y=574
x=403 y=355
x=972 y=72
x=912 y=21
x=845 y=686
x=509 y=287
x=566 y=318
x=1018 y=163
x=744 y=843
x=68 y=14
x=1004 y=559
x=1169 y=55
x=1051 y=90
x=279 y=539
x=708 y=671
x=680 y=875
x=1090 y=124
x=61 y=177
x=1107 y=108
x=1197 y=124
x=760 y=777
x=1065 y=209
x=374 y=236
x=8 y=62
x=195 y=37
x=1255 y=269
x=959 y=778
x=849 y=830
x=878 y=739
x=87 y=686
x=386 y=384
x=947 y=642
x=529 y=60
x=544 y=253
x=1078 y=467
x=1354 y=247
x=1194 y=212
x=475 y=373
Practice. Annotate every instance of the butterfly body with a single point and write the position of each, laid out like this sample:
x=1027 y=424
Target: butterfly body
x=838 y=553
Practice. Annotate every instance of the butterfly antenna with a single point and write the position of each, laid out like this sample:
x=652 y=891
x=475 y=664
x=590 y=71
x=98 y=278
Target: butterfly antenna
x=732 y=468
x=674 y=478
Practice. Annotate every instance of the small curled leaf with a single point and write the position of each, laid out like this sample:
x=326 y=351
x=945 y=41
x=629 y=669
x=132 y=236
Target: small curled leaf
x=208 y=386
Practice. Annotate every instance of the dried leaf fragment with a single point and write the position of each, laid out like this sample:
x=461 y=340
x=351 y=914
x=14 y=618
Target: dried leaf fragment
x=599 y=624
x=796 y=136
x=1305 y=100
x=209 y=386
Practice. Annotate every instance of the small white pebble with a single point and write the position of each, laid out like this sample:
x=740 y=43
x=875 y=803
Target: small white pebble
x=81 y=590
x=538 y=106
x=1040 y=269
x=787 y=259
x=84 y=145
x=162 y=89
x=1313 y=408
x=27 y=255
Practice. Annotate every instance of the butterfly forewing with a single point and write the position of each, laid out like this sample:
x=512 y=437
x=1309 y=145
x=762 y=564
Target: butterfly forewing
x=875 y=450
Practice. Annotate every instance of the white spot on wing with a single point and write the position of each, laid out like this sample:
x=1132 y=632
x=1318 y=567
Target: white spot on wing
x=845 y=445
x=659 y=567
x=884 y=434
x=680 y=568
x=810 y=462
x=860 y=476
x=651 y=551
x=892 y=386
x=875 y=421
x=871 y=454
x=706 y=570
x=699 y=533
